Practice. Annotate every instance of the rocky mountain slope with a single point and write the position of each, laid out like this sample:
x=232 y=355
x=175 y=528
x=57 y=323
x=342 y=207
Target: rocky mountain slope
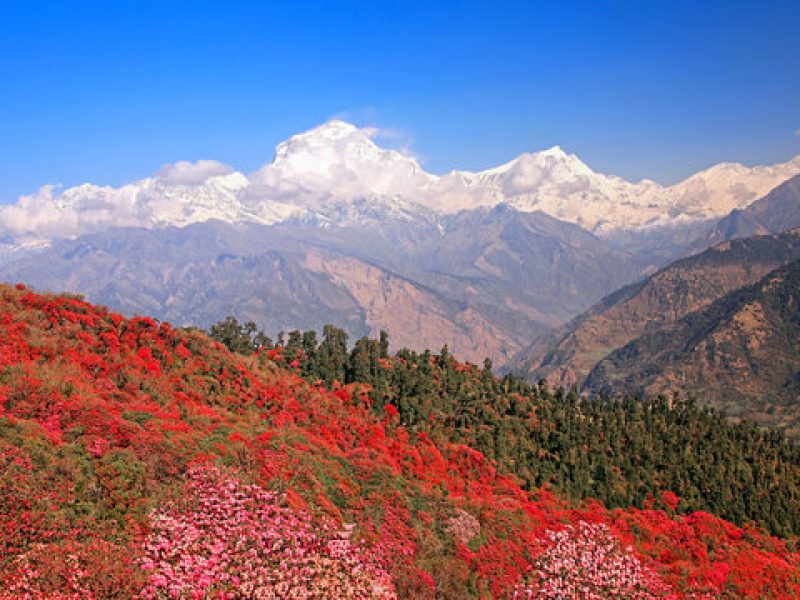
x=741 y=354
x=566 y=356
x=484 y=282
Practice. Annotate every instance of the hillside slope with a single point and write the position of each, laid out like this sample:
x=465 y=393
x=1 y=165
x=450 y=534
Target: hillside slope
x=119 y=437
x=568 y=355
x=740 y=354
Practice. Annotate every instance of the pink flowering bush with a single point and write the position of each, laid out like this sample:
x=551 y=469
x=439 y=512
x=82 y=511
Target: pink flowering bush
x=587 y=562
x=225 y=539
x=463 y=526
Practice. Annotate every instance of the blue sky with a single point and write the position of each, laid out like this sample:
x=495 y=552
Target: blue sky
x=109 y=91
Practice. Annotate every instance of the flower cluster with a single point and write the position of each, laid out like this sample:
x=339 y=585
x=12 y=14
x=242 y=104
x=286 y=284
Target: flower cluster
x=587 y=561
x=463 y=526
x=231 y=540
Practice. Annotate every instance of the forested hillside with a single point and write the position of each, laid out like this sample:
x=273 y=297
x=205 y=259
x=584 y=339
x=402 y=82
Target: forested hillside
x=621 y=451
x=139 y=460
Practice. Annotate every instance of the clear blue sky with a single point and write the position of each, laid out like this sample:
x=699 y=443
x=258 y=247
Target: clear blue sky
x=109 y=91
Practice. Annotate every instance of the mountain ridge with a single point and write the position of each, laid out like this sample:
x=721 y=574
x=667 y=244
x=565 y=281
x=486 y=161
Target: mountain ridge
x=777 y=211
x=470 y=273
x=320 y=173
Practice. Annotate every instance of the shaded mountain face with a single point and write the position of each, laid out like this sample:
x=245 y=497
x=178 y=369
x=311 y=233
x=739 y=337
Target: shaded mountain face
x=567 y=355
x=484 y=282
x=188 y=274
x=740 y=353
x=778 y=211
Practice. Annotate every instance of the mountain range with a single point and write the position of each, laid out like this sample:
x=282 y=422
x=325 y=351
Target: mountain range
x=721 y=325
x=463 y=281
x=337 y=229
x=334 y=171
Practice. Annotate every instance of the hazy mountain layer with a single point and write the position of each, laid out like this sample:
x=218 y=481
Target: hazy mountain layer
x=484 y=282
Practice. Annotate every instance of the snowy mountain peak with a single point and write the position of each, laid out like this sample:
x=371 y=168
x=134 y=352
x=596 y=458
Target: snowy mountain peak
x=337 y=163
x=333 y=145
x=728 y=186
x=327 y=135
x=554 y=158
x=332 y=130
x=555 y=152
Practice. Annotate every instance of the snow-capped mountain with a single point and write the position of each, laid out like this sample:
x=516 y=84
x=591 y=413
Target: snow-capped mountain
x=336 y=173
x=564 y=187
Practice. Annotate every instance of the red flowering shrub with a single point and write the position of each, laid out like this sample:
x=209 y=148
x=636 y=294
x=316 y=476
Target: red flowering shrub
x=70 y=570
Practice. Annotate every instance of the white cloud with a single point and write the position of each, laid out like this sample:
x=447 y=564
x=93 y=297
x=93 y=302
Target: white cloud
x=392 y=137
x=51 y=213
x=371 y=132
x=184 y=172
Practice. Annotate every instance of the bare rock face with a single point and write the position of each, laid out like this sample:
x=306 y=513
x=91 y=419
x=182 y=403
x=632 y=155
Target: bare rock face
x=412 y=316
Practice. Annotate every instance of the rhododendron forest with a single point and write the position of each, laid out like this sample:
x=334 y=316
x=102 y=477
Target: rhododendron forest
x=138 y=460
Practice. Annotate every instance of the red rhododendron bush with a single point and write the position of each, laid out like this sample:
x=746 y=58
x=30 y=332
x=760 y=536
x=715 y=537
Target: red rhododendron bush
x=137 y=460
